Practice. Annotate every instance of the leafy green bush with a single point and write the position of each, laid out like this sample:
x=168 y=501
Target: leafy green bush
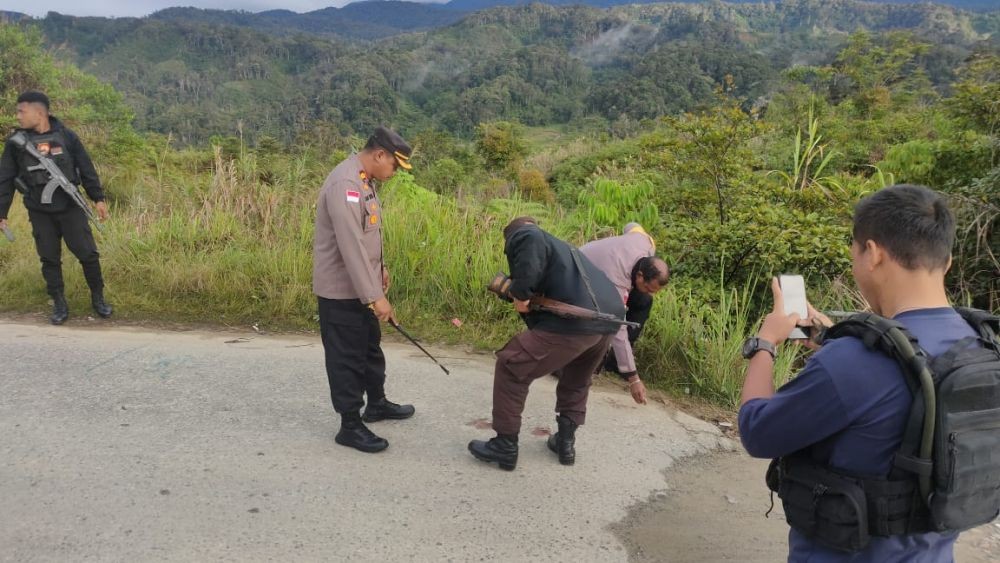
x=532 y=185
x=501 y=144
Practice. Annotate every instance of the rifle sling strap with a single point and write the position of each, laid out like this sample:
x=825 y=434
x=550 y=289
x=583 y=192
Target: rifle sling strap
x=586 y=278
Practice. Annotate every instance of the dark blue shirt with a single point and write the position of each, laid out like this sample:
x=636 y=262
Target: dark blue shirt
x=849 y=407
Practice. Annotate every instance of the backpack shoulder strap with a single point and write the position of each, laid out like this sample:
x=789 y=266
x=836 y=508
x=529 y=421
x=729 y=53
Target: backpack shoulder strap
x=873 y=331
x=893 y=339
x=986 y=323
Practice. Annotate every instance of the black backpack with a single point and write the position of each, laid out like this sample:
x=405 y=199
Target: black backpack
x=946 y=474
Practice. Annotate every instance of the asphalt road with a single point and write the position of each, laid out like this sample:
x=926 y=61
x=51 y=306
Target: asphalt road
x=126 y=444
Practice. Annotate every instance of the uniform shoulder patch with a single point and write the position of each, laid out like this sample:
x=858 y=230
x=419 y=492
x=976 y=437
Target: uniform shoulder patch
x=353 y=196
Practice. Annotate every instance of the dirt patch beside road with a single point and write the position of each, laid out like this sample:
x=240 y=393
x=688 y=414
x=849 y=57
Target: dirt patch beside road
x=712 y=510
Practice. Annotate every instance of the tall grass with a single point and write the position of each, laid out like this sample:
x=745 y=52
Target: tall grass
x=694 y=346
x=199 y=237
x=193 y=237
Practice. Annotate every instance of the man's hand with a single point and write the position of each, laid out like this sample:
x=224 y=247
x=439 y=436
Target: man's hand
x=384 y=311
x=386 y=282
x=777 y=325
x=637 y=389
x=817 y=318
x=522 y=306
x=102 y=211
x=3 y=224
x=817 y=322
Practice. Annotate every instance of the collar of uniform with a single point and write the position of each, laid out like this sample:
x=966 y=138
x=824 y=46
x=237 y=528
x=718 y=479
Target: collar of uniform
x=55 y=124
x=360 y=171
x=638 y=230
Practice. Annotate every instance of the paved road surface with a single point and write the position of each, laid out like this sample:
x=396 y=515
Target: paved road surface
x=133 y=445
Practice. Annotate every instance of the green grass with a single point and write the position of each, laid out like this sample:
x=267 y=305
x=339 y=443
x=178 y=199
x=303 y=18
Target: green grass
x=198 y=238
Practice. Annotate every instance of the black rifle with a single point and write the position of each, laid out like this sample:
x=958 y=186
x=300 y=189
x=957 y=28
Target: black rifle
x=56 y=177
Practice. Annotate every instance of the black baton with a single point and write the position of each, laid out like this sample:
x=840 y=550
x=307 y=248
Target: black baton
x=396 y=326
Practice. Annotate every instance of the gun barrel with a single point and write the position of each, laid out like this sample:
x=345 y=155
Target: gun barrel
x=613 y=319
x=572 y=312
x=501 y=283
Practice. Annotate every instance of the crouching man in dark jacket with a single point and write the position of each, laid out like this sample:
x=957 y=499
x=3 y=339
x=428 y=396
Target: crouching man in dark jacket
x=540 y=264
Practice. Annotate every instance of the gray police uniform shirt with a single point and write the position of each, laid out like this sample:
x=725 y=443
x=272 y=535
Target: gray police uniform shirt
x=347 y=245
x=616 y=257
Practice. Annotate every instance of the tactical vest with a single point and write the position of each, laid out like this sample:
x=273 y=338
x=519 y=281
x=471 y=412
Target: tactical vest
x=946 y=473
x=54 y=143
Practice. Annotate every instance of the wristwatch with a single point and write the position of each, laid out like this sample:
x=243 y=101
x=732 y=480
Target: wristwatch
x=753 y=345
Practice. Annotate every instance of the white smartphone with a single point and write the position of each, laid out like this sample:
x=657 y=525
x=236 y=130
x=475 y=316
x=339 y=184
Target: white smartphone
x=793 y=289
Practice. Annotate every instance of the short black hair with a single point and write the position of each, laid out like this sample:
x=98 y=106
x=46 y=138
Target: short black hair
x=516 y=224
x=913 y=223
x=34 y=97
x=652 y=268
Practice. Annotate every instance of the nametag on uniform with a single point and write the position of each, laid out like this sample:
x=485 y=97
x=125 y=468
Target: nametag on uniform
x=56 y=150
x=353 y=196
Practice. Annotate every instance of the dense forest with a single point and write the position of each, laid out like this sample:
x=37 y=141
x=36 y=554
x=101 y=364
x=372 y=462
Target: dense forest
x=740 y=135
x=540 y=65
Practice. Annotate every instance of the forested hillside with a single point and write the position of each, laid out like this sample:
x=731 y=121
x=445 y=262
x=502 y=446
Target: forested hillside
x=540 y=65
x=360 y=20
x=739 y=135
x=472 y=5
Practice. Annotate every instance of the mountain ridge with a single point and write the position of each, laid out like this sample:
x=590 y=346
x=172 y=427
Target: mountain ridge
x=539 y=64
x=370 y=20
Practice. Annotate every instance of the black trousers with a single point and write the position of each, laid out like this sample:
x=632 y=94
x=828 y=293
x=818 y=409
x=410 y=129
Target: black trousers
x=639 y=305
x=49 y=230
x=355 y=364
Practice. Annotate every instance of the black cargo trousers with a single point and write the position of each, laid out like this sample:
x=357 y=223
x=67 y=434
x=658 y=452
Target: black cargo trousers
x=49 y=230
x=355 y=364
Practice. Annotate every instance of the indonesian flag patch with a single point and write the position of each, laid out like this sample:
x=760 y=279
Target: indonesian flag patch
x=353 y=196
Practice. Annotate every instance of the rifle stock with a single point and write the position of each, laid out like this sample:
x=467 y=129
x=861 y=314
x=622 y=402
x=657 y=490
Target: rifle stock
x=568 y=311
x=500 y=285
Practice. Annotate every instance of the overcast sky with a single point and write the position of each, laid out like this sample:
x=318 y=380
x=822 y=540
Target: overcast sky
x=122 y=8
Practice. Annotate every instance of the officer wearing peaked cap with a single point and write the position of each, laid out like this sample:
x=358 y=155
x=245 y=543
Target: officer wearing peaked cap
x=350 y=280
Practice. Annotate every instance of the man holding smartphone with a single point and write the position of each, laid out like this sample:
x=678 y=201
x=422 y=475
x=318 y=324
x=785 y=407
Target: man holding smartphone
x=848 y=408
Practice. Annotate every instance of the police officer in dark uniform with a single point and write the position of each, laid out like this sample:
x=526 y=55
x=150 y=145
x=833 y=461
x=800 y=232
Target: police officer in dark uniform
x=350 y=280
x=62 y=219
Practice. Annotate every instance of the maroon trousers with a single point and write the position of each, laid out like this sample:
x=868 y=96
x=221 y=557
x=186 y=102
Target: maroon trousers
x=534 y=353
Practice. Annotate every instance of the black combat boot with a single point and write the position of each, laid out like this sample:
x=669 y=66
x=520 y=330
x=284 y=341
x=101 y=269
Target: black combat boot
x=563 y=442
x=354 y=434
x=60 y=309
x=101 y=307
x=502 y=449
x=385 y=409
